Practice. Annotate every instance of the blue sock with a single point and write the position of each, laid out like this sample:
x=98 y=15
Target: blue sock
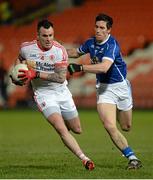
x=127 y=152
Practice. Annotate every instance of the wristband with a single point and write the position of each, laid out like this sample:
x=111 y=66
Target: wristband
x=37 y=74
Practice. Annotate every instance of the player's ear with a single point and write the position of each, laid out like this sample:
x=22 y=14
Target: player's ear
x=38 y=34
x=109 y=30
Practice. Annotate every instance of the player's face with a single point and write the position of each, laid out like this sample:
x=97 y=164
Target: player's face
x=101 y=31
x=45 y=37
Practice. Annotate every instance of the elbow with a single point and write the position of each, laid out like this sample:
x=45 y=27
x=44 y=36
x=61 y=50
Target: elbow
x=102 y=71
x=102 y=68
x=105 y=70
x=61 y=80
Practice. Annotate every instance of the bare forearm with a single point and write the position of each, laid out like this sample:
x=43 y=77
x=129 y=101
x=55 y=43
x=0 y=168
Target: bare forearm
x=102 y=67
x=94 y=68
x=58 y=76
x=54 y=77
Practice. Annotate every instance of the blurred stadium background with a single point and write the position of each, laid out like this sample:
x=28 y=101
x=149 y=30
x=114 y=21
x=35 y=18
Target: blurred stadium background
x=74 y=21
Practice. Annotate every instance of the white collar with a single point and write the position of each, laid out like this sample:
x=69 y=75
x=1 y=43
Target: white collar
x=103 y=41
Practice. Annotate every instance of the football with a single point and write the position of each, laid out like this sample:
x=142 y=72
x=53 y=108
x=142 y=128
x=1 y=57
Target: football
x=15 y=71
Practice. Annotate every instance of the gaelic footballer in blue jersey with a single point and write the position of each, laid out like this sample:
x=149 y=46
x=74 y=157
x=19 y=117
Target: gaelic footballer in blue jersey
x=108 y=50
x=113 y=89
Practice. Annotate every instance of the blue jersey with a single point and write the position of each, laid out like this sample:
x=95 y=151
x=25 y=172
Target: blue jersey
x=110 y=50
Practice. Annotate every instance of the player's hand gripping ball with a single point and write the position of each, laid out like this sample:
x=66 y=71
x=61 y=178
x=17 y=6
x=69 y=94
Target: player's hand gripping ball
x=15 y=73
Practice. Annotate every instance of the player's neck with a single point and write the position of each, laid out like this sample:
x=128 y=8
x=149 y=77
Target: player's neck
x=43 y=48
x=103 y=41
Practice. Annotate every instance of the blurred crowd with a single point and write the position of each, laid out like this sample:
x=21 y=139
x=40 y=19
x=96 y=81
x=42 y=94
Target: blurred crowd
x=12 y=10
x=3 y=80
x=73 y=26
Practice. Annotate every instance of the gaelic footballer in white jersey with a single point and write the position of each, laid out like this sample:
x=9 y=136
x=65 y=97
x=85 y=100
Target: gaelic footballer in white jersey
x=44 y=61
x=50 y=96
x=47 y=68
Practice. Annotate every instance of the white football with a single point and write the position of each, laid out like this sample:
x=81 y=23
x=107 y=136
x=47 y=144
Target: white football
x=15 y=71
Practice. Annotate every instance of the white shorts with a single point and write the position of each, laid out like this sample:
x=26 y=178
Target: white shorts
x=56 y=101
x=117 y=93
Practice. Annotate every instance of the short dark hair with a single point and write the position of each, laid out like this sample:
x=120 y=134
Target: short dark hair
x=106 y=18
x=44 y=23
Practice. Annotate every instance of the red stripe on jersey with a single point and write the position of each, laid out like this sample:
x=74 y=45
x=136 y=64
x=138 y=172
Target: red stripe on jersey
x=64 y=55
x=28 y=43
x=55 y=43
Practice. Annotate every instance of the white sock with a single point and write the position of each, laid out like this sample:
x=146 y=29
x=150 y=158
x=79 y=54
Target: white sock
x=132 y=157
x=83 y=157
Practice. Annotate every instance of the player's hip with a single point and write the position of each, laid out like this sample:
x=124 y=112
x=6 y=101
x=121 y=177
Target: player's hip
x=56 y=102
x=118 y=93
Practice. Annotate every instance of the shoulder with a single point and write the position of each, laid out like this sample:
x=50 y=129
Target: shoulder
x=112 y=40
x=60 y=49
x=90 y=41
x=28 y=44
x=112 y=46
x=58 y=45
x=112 y=43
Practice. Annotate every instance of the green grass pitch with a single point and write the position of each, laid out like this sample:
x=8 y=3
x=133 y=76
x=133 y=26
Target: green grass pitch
x=30 y=148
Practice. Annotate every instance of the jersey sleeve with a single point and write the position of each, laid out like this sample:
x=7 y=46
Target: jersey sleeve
x=84 y=48
x=111 y=51
x=63 y=58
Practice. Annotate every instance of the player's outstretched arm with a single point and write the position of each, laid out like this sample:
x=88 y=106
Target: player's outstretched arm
x=102 y=67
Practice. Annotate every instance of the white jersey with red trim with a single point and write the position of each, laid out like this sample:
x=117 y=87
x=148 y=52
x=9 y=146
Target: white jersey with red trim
x=45 y=62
